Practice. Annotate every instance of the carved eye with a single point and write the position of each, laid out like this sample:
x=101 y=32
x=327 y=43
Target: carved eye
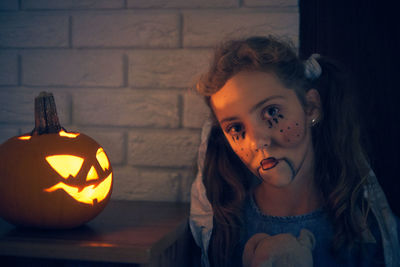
x=102 y=159
x=65 y=165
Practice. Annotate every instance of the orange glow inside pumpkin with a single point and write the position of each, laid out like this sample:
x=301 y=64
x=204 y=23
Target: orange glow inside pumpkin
x=65 y=165
x=88 y=194
x=69 y=135
x=27 y=137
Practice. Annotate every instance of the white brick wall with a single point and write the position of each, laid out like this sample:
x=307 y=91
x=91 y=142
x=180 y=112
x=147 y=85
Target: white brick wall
x=133 y=108
x=8 y=67
x=206 y=28
x=121 y=72
x=126 y=29
x=166 y=68
x=72 y=4
x=166 y=148
x=72 y=68
x=33 y=30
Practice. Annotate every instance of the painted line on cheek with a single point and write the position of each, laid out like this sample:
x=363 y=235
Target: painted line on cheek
x=259 y=175
x=291 y=168
x=301 y=163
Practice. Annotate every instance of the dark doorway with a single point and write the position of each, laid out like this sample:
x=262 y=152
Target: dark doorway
x=364 y=37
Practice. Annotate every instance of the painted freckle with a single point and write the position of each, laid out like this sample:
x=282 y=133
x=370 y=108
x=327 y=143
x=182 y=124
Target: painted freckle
x=288 y=128
x=281 y=131
x=297 y=124
x=298 y=135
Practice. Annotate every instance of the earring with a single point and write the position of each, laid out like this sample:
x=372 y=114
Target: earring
x=313 y=122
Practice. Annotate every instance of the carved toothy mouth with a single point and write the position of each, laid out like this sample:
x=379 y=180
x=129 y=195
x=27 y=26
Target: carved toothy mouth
x=87 y=195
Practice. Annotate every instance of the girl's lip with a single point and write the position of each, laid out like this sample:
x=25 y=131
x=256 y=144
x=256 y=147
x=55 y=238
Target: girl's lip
x=269 y=163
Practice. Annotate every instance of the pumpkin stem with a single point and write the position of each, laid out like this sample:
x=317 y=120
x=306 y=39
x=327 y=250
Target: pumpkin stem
x=46 y=119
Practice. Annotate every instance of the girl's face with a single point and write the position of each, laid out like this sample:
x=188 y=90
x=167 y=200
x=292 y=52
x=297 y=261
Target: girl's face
x=266 y=126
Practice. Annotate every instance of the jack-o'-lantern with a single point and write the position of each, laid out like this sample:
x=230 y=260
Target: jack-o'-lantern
x=52 y=178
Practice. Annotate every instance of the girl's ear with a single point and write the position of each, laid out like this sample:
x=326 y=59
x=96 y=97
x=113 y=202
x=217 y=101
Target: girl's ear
x=313 y=109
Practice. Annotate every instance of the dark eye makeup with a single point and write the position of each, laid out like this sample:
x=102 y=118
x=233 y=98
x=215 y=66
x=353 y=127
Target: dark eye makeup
x=270 y=112
x=234 y=128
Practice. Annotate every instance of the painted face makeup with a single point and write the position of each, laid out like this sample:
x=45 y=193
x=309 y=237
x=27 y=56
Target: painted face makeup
x=266 y=126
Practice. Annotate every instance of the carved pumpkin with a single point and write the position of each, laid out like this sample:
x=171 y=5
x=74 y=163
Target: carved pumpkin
x=51 y=178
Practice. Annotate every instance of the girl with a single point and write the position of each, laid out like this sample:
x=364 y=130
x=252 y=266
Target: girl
x=281 y=154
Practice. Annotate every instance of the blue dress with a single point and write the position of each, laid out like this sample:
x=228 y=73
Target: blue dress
x=318 y=223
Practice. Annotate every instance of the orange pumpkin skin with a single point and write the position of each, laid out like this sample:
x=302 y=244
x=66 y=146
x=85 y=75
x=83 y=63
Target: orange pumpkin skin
x=25 y=174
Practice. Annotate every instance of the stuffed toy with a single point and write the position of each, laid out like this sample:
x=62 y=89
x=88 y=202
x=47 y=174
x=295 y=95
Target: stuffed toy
x=263 y=250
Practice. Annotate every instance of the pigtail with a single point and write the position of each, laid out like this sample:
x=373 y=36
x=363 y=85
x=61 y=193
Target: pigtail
x=340 y=160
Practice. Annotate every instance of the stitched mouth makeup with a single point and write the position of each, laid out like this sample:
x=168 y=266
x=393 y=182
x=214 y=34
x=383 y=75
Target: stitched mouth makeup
x=269 y=163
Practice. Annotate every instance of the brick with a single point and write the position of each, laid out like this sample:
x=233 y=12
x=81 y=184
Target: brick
x=206 y=29
x=17 y=106
x=28 y=127
x=151 y=185
x=9 y=5
x=112 y=141
x=31 y=30
x=71 y=4
x=269 y=3
x=126 y=108
x=8 y=68
x=163 y=148
x=7 y=131
x=195 y=111
x=126 y=30
x=72 y=68
x=182 y=3
x=166 y=68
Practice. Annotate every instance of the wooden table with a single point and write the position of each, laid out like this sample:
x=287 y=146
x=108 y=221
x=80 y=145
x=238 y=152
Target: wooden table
x=139 y=233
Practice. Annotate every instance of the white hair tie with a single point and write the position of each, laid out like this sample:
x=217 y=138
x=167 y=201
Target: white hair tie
x=312 y=69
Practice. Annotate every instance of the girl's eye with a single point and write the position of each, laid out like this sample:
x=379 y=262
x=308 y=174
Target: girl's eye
x=270 y=112
x=234 y=129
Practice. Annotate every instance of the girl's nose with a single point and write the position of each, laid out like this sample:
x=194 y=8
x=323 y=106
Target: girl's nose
x=260 y=138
